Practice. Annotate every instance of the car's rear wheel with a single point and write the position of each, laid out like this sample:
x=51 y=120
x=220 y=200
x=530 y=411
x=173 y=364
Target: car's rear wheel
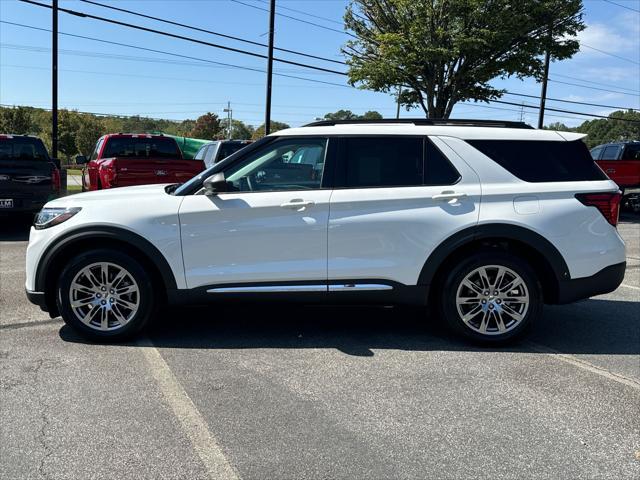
x=491 y=297
x=105 y=295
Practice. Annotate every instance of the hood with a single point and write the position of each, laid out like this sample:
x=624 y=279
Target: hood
x=126 y=196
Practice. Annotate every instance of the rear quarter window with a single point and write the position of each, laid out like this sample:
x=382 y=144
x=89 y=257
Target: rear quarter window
x=542 y=161
x=631 y=152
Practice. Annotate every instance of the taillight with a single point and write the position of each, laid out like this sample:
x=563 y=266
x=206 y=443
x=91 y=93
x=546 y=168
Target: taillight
x=55 y=178
x=607 y=203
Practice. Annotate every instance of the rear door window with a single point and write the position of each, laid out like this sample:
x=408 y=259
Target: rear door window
x=542 y=161
x=595 y=153
x=611 y=152
x=631 y=152
x=201 y=153
x=142 y=147
x=381 y=162
x=438 y=169
x=22 y=148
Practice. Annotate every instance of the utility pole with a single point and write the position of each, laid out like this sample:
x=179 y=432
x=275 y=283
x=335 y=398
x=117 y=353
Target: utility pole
x=54 y=82
x=522 y=112
x=545 y=78
x=229 y=113
x=398 y=109
x=267 y=109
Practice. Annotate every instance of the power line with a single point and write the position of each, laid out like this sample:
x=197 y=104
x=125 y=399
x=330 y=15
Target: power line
x=610 y=54
x=211 y=32
x=307 y=13
x=568 y=111
x=177 y=55
x=592 y=88
x=182 y=37
x=572 y=101
x=296 y=19
x=597 y=83
x=622 y=6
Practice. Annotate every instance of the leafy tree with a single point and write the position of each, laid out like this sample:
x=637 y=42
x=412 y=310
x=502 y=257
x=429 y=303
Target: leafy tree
x=349 y=115
x=446 y=51
x=16 y=120
x=90 y=130
x=240 y=130
x=275 y=126
x=612 y=129
x=207 y=126
x=559 y=126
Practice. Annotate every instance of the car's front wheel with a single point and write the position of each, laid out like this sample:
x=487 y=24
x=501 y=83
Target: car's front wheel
x=491 y=297
x=105 y=295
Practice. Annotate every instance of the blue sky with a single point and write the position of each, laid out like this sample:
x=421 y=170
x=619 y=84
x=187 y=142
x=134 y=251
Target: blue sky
x=104 y=78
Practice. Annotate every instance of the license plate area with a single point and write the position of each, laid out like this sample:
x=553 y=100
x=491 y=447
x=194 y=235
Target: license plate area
x=6 y=202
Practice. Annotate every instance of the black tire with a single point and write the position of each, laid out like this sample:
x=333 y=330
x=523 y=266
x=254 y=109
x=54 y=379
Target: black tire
x=453 y=318
x=144 y=297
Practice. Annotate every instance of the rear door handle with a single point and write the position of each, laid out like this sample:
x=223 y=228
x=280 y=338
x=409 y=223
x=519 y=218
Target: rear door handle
x=611 y=170
x=448 y=195
x=298 y=204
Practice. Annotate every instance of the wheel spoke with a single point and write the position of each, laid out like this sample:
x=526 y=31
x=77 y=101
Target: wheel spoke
x=126 y=290
x=92 y=278
x=500 y=322
x=512 y=284
x=104 y=274
x=472 y=313
x=485 y=321
x=82 y=303
x=90 y=316
x=484 y=278
x=127 y=303
x=104 y=318
x=499 y=278
x=82 y=288
x=472 y=286
x=118 y=278
x=118 y=314
x=511 y=312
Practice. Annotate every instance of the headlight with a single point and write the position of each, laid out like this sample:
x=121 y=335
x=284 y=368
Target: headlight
x=48 y=217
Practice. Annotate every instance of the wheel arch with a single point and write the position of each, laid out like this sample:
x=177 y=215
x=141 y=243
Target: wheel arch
x=543 y=256
x=56 y=255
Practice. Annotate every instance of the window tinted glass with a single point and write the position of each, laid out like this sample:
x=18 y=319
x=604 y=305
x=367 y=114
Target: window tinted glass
x=610 y=153
x=227 y=149
x=631 y=152
x=542 y=161
x=595 y=153
x=141 y=147
x=22 y=148
x=383 y=161
x=438 y=170
x=96 y=151
x=200 y=153
x=287 y=164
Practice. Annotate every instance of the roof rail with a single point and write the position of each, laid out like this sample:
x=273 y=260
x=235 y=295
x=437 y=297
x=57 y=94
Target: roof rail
x=425 y=121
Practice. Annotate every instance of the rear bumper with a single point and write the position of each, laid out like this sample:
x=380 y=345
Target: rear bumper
x=605 y=281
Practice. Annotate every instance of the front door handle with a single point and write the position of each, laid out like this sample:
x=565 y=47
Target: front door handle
x=448 y=195
x=298 y=204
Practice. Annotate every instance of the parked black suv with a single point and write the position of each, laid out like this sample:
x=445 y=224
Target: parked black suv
x=28 y=176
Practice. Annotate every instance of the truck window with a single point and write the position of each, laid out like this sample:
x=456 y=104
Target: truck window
x=22 y=148
x=142 y=147
x=631 y=152
x=611 y=152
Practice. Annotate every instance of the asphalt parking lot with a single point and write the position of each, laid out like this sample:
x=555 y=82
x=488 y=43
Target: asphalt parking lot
x=320 y=392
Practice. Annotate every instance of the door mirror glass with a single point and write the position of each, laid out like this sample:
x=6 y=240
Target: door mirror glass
x=81 y=160
x=215 y=184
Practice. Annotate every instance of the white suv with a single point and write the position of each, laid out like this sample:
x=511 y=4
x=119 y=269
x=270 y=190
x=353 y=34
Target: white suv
x=483 y=221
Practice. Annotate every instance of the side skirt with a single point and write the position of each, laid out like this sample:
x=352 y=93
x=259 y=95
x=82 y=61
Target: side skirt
x=356 y=291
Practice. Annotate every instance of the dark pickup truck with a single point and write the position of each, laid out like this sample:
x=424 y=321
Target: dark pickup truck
x=126 y=159
x=29 y=178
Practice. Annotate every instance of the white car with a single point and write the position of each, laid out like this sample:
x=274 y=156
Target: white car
x=483 y=221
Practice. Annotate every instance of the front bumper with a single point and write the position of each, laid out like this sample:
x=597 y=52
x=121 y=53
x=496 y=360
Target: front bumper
x=38 y=298
x=605 y=281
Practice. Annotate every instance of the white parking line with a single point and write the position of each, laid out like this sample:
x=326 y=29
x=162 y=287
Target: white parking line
x=629 y=286
x=583 y=364
x=193 y=425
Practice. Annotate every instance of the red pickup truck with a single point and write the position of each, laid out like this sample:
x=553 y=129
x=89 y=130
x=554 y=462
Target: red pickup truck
x=621 y=161
x=125 y=159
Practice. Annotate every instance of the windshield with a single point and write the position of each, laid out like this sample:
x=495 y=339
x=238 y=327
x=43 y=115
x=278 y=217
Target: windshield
x=227 y=149
x=142 y=147
x=22 y=148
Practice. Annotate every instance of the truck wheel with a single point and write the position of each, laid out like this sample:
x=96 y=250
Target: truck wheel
x=491 y=297
x=105 y=295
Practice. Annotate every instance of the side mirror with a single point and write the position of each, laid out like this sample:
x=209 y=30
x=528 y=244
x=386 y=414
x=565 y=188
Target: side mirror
x=81 y=160
x=215 y=184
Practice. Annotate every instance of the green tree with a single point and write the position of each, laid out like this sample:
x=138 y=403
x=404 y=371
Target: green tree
x=349 y=115
x=446 y=51
x=207 y=126
x=16 y=120
x=275 y=126
x=621 y=125
x=89 y=131
x=559 y=126
x=240 y=130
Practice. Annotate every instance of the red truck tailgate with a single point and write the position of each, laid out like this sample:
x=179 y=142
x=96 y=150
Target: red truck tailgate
x=135 y=171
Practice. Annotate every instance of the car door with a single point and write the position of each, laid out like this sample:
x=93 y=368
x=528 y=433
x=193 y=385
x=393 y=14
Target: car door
x=90 y=170
x=270 y=229
x=609 y=161
x=396 y=199
x=628 y=170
